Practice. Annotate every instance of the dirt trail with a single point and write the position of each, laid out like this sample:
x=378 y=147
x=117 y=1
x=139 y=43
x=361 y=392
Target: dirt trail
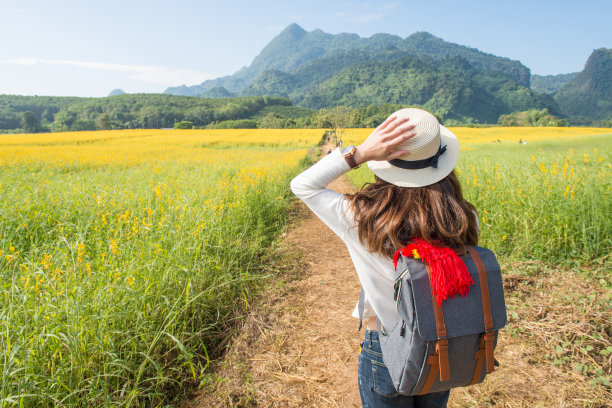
x=302 y=350
x=299 y=345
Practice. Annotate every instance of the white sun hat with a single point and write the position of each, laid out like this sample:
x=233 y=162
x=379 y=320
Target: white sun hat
x=434 y=151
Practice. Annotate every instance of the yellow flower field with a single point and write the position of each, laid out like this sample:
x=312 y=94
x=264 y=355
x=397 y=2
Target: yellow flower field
x=124 y=255
x=149 y=145
x=467 y=135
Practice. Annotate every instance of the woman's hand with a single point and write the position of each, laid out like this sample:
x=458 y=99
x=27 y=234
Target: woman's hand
x=384 y=142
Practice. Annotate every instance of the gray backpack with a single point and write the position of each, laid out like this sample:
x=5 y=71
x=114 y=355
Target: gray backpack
x=434 y=348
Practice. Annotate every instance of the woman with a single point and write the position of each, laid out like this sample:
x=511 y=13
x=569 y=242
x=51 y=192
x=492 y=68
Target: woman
x=416 y=195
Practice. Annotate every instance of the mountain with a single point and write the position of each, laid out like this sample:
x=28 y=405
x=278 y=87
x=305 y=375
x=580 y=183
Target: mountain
x=450 y=87
x=318 y=70
x=116 y=92
x=294 y=47
x=589 y=94
x=217 y=92
x=550 y=83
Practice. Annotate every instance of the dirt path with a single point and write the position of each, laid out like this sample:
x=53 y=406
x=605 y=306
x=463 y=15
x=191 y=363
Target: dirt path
x=302 y=350
x=299 y=345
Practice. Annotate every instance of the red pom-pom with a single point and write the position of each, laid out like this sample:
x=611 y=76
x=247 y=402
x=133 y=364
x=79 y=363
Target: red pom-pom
x=449 y=275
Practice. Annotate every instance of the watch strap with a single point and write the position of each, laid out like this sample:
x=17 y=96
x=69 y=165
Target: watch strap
x=350 y=159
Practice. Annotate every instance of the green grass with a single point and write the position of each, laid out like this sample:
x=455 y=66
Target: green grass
x=540 y=200
x=116 y=282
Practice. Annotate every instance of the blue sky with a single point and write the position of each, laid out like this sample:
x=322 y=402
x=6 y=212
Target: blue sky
x=87 y=48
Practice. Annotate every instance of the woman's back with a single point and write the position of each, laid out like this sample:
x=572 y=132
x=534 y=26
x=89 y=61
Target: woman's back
x=415 y=195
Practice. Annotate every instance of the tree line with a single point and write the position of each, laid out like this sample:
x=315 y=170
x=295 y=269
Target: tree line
x=32 y=114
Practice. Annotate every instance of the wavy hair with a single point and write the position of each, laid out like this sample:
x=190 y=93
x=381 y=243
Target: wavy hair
x=389 y=216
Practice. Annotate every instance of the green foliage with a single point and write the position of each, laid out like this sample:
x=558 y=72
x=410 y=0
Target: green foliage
x=184 y=124
x=29 y=122
x=103 y=121
x=337 y=118
x=533 y=117
x=129 y=111
x=550 y=83
x=606 y=123
x=272 y=121
x=83 y=124
x=233 y=124
x=451 y=88
x=589 y=94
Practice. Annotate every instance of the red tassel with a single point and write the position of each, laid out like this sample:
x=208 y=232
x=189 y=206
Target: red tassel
x=449 y=275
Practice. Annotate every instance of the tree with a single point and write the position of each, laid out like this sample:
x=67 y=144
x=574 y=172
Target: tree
x=183 y=124
x=83 y=124
x=103 y=121
x=29 y=122
x=341 y=117
x=272 y=121
x=62 y=121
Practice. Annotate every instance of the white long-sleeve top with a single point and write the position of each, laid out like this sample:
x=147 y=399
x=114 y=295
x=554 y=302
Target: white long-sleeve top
x=375 y=272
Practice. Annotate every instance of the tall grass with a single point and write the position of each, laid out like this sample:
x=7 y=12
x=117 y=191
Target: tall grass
x=546 y=200
x=117 y=279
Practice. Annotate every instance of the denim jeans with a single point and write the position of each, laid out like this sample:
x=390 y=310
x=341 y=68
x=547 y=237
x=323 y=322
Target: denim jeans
x=375 y=384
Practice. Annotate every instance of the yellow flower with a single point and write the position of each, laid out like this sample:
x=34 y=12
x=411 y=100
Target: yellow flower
x=415 y=254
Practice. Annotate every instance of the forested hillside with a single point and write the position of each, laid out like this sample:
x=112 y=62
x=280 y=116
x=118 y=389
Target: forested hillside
x=589 y=95
x=550 y=83
x=126 y=111
x=295 y=47
x=451 y=87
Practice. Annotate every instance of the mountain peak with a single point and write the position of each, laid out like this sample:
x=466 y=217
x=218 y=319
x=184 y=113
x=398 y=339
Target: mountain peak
x=115 y=92
x=293 y=30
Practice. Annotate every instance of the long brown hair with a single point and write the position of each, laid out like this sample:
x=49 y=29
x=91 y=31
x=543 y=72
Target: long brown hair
x=388 y=216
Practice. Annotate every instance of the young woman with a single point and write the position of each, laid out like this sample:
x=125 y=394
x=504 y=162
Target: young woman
x=415 y=195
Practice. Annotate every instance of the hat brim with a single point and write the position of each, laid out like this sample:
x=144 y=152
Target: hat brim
x=421 y=177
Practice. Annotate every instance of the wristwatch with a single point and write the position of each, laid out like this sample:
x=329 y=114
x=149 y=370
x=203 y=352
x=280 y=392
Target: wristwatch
x=349 y=156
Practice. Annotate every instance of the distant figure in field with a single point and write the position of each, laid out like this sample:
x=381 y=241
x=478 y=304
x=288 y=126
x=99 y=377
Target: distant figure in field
x=329 y=151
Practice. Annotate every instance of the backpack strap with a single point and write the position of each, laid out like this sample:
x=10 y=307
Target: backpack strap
x=442 y=342
x=480 y=357
x=438 y=363
x=489 y=335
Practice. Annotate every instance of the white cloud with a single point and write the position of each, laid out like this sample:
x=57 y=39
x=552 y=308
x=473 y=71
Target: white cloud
x=144 y=73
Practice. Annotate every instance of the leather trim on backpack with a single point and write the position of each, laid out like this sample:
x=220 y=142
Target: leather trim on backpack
x=442 y=342
x=489 y=335
x=434 y=368
x=479 y=357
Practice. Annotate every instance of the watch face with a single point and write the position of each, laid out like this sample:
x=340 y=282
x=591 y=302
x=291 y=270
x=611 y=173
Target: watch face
x=347 y=149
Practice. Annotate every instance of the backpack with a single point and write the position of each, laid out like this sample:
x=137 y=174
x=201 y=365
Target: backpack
x=435 y=347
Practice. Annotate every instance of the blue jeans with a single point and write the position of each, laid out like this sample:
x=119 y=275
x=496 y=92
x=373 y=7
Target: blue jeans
x=375 y=384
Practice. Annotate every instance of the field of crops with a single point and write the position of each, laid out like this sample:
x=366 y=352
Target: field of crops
x=548 y=198
x=125 y=254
